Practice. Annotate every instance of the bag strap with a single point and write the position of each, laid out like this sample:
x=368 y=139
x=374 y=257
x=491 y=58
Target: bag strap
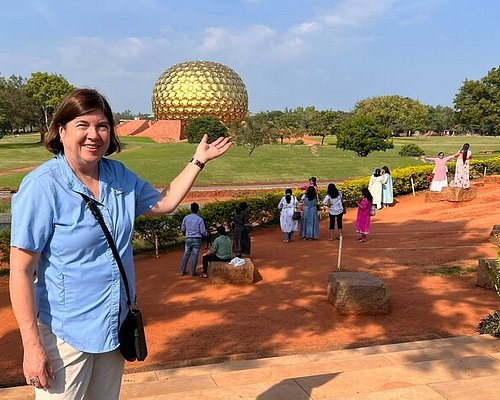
x=98 y=216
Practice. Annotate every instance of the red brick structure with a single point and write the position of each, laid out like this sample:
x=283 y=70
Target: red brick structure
x=162 y=131
x=133 y=127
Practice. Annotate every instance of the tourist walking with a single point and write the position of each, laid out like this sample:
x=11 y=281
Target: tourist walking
x=288 y=205
x=387 y=187
x=309 y=227
x=333 y=200
x=439 y=173
x=364 y=216
x=462 y=173
x=193 y=228
x=375 y=188
x=219 y=251
x=70 y=315
x=241 y=231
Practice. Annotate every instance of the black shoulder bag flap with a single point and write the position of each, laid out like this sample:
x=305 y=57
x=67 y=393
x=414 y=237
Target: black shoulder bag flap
x=131 y=334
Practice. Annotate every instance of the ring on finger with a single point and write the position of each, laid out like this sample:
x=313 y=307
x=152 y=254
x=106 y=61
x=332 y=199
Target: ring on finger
x=34 y=381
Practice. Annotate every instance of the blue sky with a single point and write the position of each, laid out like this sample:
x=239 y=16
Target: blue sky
x=289 y=53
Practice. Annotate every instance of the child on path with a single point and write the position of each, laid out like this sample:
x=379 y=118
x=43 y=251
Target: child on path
x=363 y=218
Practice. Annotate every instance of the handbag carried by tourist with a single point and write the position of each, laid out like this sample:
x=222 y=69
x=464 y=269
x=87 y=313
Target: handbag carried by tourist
x=131 y=334
x=297 y=215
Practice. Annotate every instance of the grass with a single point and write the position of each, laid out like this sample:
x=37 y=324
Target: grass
x=160 y=163
x=451 y=271
x=4 y=206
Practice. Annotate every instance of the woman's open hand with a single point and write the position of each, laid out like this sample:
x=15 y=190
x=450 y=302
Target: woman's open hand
x=208 y=151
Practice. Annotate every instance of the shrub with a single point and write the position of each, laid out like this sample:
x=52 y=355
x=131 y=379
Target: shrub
x=490 y=324
x=299 y=141
x=207 y=124
x=263 y=210
x=411 y=150
x=363 y=135
x=4 y=246
x=4 y=206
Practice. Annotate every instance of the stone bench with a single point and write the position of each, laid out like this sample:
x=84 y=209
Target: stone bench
x=458 y=194
x=451 y=194
x=495 y=235
x=492 y=179
x=358 y=293
x=483 y=273
x=222 y=272
x=432 y=197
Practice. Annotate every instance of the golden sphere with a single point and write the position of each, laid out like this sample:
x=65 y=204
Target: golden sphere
x=195 y=88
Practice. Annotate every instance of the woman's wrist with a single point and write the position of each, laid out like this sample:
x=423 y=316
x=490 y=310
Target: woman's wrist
x=200 y=164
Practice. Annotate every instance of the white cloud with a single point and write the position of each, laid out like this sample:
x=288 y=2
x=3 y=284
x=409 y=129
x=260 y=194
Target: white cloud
x=24 y=65
x=348 y=20
x=306 y=27
x=356 y=13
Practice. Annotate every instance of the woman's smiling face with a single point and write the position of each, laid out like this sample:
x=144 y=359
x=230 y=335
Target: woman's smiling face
x=86 y=139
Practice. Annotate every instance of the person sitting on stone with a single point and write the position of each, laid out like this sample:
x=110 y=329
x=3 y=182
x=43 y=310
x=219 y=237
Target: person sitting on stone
x=220 y=250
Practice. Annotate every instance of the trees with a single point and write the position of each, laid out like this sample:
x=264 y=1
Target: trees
x=325 y=123
x=125 y=115
x=397 y=113
x=17 y=109
x=478 y=104
x=440 y=119
x=253 y=132
x=362 y=134
x=47 y=90
x=208 y=124
x=287 y=126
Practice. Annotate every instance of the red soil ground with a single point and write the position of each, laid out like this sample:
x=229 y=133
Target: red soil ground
x=191 y=321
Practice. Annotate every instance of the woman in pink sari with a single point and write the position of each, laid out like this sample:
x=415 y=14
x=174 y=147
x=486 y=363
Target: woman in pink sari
x=363 y=218
x=440 y=180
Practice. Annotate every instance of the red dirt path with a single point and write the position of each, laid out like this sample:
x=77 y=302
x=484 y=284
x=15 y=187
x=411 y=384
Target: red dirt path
x=189 y=320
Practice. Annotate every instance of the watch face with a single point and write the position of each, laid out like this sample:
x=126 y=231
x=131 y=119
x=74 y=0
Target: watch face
x=198 y=163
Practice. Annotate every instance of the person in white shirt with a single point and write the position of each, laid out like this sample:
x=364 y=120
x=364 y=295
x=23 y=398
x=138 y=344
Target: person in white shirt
x=333 y=199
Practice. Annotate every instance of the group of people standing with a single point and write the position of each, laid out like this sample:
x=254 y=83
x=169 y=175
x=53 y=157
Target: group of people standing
x=222 y=248
x=462 y=171
x=309 y=207
x=379 y=193
x=381 y=187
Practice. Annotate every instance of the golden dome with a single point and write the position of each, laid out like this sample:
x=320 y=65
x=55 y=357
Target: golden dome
x=191 y=89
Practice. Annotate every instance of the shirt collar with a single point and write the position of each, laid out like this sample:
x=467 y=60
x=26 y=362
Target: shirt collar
x=76 y=184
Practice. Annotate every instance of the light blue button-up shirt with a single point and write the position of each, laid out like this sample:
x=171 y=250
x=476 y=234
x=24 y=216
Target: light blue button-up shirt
x=79 y=293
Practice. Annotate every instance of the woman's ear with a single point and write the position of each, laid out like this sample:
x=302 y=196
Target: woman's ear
x=61 y=132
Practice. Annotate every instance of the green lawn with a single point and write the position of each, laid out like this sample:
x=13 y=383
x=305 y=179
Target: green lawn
x=159 y=163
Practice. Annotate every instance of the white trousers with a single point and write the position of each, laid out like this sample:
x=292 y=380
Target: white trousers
x=80 y=376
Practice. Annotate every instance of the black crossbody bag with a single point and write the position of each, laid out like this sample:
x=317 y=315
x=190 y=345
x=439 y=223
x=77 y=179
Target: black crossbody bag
x=131 y=334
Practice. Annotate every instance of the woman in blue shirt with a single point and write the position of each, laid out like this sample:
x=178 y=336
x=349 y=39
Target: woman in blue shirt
x=70 y=316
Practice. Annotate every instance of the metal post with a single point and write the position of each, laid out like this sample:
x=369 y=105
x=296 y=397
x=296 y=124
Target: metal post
x=156 y=245
x=340 y=253
x=412 y=186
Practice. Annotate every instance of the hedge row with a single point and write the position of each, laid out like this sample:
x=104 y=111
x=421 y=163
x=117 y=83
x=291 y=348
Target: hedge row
x=263 y=209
